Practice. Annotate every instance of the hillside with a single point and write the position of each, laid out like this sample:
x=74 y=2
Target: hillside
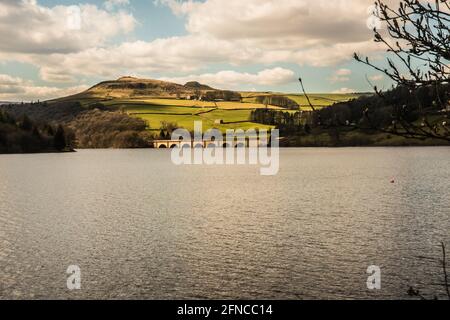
x=197 y=86
x=135 y=88
x=395 y=118
x=160 y=103
x=129 y=112
x=318 y=100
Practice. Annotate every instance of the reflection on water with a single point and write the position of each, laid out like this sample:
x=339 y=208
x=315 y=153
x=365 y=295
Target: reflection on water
x=140 y=227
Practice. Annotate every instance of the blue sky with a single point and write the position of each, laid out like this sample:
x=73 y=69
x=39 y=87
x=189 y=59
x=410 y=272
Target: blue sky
x=57 y=47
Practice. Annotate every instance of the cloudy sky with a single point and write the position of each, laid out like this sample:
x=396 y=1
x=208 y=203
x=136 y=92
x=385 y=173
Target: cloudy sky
x=51 y=48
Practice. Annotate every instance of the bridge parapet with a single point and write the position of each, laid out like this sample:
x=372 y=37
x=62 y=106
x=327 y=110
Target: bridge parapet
x=169 y=144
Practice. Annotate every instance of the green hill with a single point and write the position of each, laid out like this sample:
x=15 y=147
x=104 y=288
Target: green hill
x=128 y=112
x=159 y=103
x=135 y=88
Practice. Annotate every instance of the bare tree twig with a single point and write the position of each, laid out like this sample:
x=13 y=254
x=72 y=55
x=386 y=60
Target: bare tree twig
x=419 y=39
x=306 y=95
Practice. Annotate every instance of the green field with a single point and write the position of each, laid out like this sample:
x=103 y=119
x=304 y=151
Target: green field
x=321 y=100
x=220 y=115
x=232 y=119
x=233 y=115
x=184 y=113
x=188 y=104
x=318 y=100
x=158 y=101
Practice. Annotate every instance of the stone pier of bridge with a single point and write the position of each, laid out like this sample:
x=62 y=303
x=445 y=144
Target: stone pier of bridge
x=170 y=144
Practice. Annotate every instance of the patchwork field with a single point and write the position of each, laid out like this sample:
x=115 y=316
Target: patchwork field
x=183 y=113
x=318 y=100
x=188 y=103
x=181 y=105
x=220 y=115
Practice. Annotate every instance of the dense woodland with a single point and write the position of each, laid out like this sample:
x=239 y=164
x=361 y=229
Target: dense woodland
x=92 y=127
x=109 y=129
x=225 y=95
x=279 y=101
x=22 y=135
x=287 y=122
x=368 y=120
x=382 y=111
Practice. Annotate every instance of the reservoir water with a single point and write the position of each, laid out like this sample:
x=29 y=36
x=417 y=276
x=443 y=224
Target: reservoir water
x=140 y=227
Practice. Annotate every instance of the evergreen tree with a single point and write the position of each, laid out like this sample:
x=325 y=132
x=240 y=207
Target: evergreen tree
x=25 y=123
x=49 y=130
x=59 y=139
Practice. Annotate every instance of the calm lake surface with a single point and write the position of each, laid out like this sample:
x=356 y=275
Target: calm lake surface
x=140 y=227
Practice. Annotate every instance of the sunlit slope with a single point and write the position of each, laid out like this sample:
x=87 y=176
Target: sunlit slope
x=318 y=100
x=160 y=102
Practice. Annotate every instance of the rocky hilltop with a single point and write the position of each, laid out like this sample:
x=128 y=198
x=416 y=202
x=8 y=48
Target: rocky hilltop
x=130 y=87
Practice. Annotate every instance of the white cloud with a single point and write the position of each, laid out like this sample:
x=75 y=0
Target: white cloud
x=340 y=75
x=266 y=32
x=26 y=27
x=318 y=21
x=332 y=55
x=317 y=33
x=297 y=26
x=345 y=90
x=235 y=80
x=377 y=77
x=169 y=55
x=343 y=72
x=6 y=80
x=18 y=89
x=185 y=54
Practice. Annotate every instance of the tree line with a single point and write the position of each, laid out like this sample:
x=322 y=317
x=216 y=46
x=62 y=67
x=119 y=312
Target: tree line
x=279 y=101
x=372 y=112
x=25 y=136
x=287 y=122
x=109 y=129
x=93 y=126
x=225 y=95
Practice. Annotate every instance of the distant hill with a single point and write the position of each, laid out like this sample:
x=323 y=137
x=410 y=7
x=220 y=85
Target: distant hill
x=129 y=112
x=198 y=86
x=130 y=87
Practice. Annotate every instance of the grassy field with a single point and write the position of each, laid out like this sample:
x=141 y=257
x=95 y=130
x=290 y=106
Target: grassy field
x=233 y=115
x=183 y=113
x=321 y=100
x=232 y=119
x=159 y=101
x=318 y=100
x=188 y=103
